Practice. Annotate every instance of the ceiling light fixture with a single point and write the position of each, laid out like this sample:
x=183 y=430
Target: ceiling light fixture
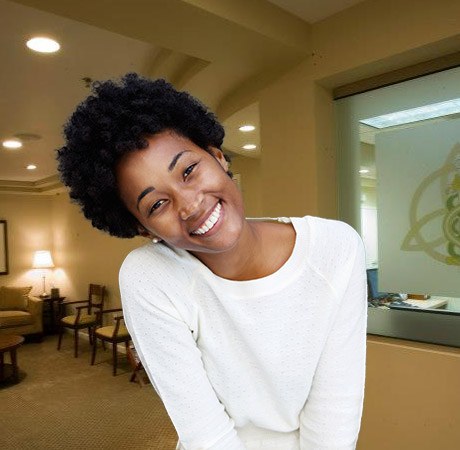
x=364 y=171
x=31 y=167
x=12 y=143
x=249 y=146
x=43 y=45
x=246 y=128
x=415 y=114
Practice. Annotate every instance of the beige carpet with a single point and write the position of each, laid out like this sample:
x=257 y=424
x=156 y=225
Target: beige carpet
x=64 y=403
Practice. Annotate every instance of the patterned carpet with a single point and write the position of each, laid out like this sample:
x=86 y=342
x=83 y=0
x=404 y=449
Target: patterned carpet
x=64 y=403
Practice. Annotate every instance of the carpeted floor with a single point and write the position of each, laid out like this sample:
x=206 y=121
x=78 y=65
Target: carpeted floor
x=62 y=402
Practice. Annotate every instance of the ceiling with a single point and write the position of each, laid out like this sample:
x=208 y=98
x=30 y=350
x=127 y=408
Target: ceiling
x=314 y=10
x=38 y=91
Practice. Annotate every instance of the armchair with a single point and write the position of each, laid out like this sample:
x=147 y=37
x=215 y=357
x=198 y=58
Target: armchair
x=82 y=319
x=112 y=333
x=20 y=313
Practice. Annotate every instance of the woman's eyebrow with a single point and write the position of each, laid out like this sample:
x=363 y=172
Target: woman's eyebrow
x=143 y=194
x=173 y=163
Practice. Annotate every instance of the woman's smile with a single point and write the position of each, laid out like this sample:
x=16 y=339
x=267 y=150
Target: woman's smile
x=210 y=222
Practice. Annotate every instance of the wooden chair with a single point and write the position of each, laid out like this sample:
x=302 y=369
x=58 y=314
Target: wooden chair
x=112 y=333
x=80 y=320
x=138 y=374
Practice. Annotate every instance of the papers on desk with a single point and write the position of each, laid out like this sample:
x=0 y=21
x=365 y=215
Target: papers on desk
x=423 y=304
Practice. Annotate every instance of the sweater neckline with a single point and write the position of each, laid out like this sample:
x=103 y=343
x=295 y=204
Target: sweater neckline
x=270 y=283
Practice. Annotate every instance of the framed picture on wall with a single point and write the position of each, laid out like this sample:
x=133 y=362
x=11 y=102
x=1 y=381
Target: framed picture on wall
x=3 y=248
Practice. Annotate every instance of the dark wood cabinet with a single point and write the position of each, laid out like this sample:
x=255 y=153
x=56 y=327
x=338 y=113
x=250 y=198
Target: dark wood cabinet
x=51 y=314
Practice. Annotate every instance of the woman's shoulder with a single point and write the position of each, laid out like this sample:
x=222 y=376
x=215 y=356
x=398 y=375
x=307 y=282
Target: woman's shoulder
x=329 y=227
x=156 y=261
x=328 y=239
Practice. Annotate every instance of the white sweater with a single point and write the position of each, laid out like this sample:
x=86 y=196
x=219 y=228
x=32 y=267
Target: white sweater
x=275 y=363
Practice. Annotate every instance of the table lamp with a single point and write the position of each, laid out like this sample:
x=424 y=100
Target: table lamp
x=43 y=260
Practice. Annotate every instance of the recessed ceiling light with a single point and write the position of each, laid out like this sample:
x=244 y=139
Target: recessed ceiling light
x=12 y=143
x=31 y=167
x=364 y=171
x=415 y=114
x=249 y=146
x=246 y=128
x=43 y=45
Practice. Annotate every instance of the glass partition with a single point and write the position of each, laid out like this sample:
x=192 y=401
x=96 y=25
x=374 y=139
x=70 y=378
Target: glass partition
x=399 y=185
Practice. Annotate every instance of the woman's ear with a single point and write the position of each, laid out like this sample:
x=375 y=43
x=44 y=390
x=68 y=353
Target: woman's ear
x=144 y=232
x=217 y=153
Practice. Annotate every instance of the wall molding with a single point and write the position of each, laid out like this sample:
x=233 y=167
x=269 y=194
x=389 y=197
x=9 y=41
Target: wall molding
x=49 y=185
x=397 y=76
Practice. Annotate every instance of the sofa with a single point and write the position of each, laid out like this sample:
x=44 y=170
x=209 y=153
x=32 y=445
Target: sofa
x=20 y=313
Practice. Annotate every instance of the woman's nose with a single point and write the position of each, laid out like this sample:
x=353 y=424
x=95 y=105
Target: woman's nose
x=190 y=205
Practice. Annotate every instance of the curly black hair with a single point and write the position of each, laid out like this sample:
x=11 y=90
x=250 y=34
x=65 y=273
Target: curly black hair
x=116 y=119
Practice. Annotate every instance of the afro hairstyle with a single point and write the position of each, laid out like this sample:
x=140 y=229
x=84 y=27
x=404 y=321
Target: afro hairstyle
x=118 y=118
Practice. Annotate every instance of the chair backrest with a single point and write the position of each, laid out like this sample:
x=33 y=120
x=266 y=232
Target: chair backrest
x=373 y=285
x=96 y=294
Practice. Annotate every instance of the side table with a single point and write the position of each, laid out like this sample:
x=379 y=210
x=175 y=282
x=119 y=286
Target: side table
x=51 y=314
x=9 y=343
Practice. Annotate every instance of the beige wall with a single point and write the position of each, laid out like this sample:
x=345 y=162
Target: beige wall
x=376 y=36
x=29 y=229
x=288 y=162
x=249 y=170
x=412 y=396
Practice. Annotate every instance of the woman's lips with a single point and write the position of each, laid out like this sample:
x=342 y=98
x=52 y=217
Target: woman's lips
x=209 y=223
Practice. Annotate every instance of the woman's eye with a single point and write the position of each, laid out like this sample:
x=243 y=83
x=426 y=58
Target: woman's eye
x=189 y=170
x=155 y=206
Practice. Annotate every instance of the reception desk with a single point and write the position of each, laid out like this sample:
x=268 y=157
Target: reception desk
x=437 y=324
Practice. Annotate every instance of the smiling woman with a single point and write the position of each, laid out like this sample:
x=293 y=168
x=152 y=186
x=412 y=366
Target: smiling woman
x=251 y=331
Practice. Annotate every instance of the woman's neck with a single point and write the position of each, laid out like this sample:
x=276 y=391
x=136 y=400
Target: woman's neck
x=262 y=249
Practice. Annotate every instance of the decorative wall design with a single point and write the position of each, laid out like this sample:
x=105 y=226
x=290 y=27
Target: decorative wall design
x=449 y=238
x=419 y=208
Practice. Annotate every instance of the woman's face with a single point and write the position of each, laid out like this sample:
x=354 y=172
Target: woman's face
x=182 y=194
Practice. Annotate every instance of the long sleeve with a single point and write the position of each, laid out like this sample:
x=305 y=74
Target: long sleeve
x=173 y=362
x=330 y=419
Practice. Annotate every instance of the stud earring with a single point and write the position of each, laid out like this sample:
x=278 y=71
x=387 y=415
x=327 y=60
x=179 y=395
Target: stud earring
x=156 y=240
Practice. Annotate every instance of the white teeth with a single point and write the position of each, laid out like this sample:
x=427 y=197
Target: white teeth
x=210 y=221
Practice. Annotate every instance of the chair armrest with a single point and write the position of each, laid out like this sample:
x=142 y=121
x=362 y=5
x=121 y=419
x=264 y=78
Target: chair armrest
x=79 y=308
x=111 y=310
x=74 y=302
x=62 y=304
x=35 y=306
x=116 y=318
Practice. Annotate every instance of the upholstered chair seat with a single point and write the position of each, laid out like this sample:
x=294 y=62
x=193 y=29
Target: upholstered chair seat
x=84 y=319
x=108 y=332
x=15 y=319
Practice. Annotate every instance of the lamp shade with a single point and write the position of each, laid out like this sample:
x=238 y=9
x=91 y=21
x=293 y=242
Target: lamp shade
x=42 y=260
